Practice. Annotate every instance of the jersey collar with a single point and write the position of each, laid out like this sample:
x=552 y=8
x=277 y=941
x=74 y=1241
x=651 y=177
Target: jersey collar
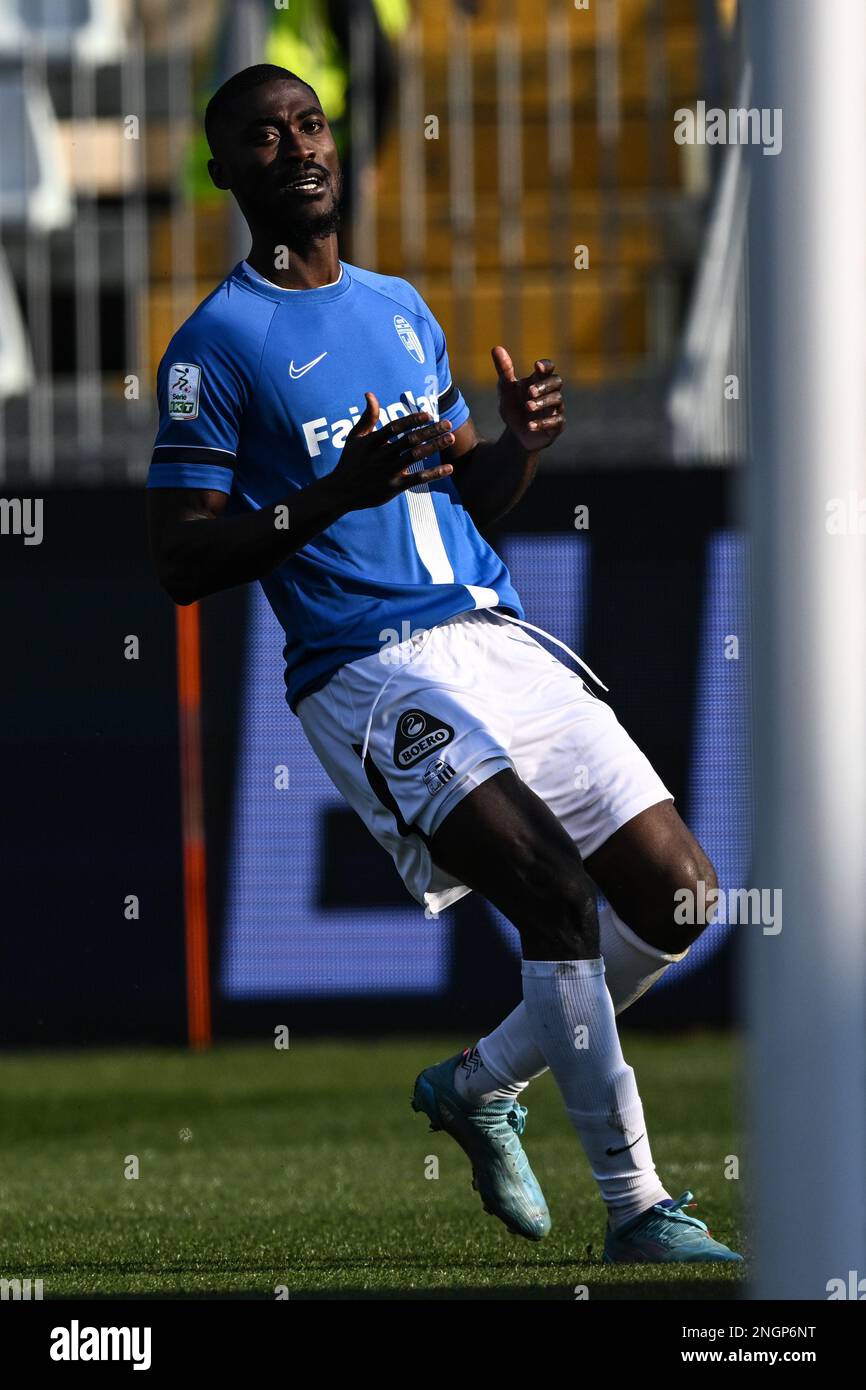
x=323 y=294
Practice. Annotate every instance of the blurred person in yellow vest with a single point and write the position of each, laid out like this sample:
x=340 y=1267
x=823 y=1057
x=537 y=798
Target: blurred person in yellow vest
x=317 y=44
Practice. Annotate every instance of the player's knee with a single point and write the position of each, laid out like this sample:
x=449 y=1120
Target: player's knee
x=692 y=884
x=701 y=883
x=671 y=910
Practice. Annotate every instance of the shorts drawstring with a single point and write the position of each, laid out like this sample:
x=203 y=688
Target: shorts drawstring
x=509 y=618
x=521 y=622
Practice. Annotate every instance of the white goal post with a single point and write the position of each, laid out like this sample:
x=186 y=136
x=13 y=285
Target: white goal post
x=806 y=987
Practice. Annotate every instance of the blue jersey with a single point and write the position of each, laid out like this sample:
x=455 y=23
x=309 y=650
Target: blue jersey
x=257 y=392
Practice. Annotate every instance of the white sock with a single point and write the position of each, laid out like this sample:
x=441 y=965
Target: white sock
x=630 y=965
x=509 y=1056
x=477 y=1083
x=571 y=1015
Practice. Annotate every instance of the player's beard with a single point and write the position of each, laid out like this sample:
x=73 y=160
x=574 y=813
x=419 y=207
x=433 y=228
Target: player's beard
x=317 y=226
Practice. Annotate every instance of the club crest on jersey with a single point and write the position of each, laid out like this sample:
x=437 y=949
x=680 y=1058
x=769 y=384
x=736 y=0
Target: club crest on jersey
x=184 y=381
x=418 y=735
x=436 y=774
x=409 y=338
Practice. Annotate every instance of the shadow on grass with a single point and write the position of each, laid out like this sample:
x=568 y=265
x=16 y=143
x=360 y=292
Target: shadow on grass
x=637 y=1290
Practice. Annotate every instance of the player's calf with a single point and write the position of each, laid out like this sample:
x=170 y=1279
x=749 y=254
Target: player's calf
x=554 y=899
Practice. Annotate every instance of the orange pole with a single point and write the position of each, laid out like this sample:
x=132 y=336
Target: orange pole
x=192 y=827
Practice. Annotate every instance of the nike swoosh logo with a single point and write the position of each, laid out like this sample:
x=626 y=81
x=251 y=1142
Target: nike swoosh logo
x=612 y=1152
x=295 y=372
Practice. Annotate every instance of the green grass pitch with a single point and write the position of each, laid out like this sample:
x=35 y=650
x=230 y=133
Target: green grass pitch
x=304 y=1170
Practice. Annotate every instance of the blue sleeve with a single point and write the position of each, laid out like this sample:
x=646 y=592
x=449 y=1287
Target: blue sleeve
x=451 y=403
x=201 y=396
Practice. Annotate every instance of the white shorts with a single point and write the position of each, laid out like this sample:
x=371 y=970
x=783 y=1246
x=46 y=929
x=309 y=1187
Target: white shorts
x=453 y=706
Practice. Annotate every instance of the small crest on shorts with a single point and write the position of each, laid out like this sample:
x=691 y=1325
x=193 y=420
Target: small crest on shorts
x=418 y=735
x=184 y=380
x=436 y=774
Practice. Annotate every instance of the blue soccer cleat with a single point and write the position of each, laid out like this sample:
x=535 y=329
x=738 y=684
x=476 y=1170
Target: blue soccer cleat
x=665 y=1235
x=490 y=1136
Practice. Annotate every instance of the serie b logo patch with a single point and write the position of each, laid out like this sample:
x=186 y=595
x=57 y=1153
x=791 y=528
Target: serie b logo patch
x=184 y=381
x=418 y=736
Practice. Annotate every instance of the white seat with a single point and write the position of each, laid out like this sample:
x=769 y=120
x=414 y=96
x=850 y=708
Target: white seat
x=16 y=365
x=34 y=188
x=91 y=31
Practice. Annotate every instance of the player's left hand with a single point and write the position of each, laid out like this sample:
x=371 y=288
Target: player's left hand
x=531 y=406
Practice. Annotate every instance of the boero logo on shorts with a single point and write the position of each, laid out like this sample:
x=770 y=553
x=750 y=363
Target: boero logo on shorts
x=418 y=735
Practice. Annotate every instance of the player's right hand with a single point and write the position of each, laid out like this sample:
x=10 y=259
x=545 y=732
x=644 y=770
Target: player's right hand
x=374 y=465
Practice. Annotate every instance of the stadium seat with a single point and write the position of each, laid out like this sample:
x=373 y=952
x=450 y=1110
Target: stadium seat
x=91 y=31
x=34 y=192
x=16 y=367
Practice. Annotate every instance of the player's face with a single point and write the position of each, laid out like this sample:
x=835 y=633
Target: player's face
x=278 y=157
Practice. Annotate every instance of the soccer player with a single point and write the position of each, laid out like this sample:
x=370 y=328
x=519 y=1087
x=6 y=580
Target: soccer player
x=311 y=438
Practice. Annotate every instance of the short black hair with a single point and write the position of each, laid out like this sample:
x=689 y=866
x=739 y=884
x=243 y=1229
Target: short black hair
x=220 y=103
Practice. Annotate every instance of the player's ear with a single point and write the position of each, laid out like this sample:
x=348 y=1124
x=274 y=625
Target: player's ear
x=219 y=177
